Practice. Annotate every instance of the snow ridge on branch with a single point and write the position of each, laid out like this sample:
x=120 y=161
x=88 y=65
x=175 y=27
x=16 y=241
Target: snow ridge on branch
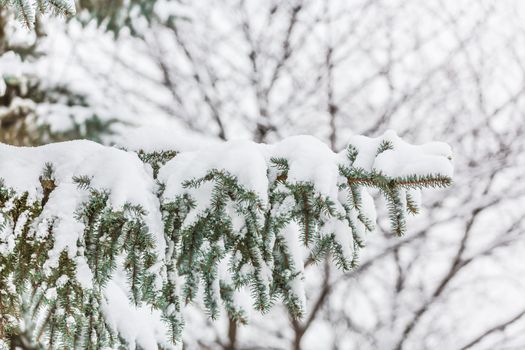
x=84 y=225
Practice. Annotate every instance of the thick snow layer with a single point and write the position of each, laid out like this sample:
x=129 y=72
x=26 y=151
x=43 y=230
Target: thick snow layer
x=404 y=159
x=245 y=160
x=309 y=160
x=139 y=326
x=249 y=162
x=127 y=179
x=302 y=152
x=291 y=235
x=62 y=203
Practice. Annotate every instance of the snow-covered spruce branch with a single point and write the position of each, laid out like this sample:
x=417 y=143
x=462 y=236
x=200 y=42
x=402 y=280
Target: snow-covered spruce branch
x=104 y=247
x=28 y=10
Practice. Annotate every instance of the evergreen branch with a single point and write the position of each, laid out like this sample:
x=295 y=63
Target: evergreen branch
x=82 y=181
x=210 y=220
x=351 y=153
x=412 y=207
x=385 y=145
x=63 y=7
x=423 y=181
x=25 y=12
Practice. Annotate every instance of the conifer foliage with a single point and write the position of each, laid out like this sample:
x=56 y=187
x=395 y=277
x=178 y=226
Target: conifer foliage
x=28 y=10
x=34 y=108
x=102 y=247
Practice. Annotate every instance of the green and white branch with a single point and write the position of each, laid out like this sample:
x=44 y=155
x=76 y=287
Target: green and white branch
x=27 y=11
x=95 y=240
